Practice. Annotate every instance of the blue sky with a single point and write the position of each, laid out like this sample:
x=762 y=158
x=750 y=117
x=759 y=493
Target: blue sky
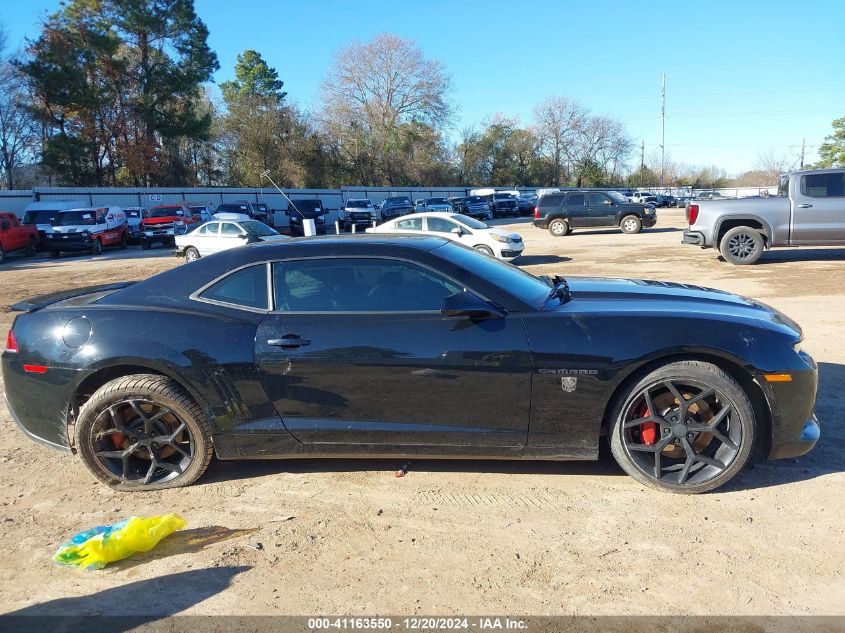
x=743 y=78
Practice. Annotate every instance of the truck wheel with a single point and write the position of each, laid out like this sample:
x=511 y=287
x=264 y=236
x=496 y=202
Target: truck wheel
x=143 y=432
x=742 y=245
x=124 y=241
x=2 y=255
x=146 y=245
x=191 y=254
x=558 y=227
x=30 y=249
x=97 y=248
x=55 y=254
x=631 y=224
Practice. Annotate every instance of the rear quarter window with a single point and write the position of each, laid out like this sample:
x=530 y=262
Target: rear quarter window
x=245 y=288
x=551 y=200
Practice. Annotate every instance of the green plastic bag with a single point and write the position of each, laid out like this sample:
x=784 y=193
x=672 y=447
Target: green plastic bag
x=104 y=544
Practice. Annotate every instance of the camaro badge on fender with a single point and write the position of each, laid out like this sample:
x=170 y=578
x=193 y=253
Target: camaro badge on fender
x=568 y=383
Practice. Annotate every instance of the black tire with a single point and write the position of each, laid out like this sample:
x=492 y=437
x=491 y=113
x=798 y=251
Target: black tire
x=631 y=446
x=2 y=255
x=55 y=254
x=631 y=224
x=191 y=254
x=124 y=241
x=146 y=245
x=559 y=227
x=481 y=248
x=742 y=245
x=97 y=247
x=31 y=248
x=95 y=430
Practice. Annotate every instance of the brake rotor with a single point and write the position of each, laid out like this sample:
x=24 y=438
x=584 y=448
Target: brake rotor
x=700 y=411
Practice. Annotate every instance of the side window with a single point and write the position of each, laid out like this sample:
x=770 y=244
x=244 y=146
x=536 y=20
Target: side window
x=209 y=229
x=823 y=185
x=551 y=200
x=411 y=224
x=440 y=225
x=229 y=230
x=575 y=200
x=597 y=199
x=246 y=288
x=358 y=285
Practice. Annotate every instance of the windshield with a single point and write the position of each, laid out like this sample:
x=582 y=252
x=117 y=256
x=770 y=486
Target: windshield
x=307 y=206
x=74 y=218
x=165 y=212
x=198 y=209
x=40 y=217
x=475 y=200
x=257 y=229
x=392 y=202
x=470 y=222
x=617 y=197
x=530 y=289
x=503 y=196
x=358 y=204
x=436 y=201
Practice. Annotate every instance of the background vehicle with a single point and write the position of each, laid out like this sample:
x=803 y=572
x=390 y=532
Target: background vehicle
x=134 y=215
x=457 y=203
x=641 y=197
x=255 y=210
x=163 y=222
x=311 y=209
x=459 y=228
x=562 y=212
x=503 y=205
x=419 y=205
x=436 y=204
x=201 y=212
x=15 y=236
x=87 y=229
x=396 y=206
x=809 y=210
x=41 y=214
x=357 y=212
x=273 y=348
x=526 y=203
x=477 y=207
x=709 y=195
x=666 y=201
x=215 y=236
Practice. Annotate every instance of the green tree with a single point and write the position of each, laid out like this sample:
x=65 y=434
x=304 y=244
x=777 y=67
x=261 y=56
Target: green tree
x=832 y=151
x=253 y=79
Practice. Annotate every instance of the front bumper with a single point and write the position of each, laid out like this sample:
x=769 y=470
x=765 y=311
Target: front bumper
x=649 y=220
x=511 y=252
x=696 y=238
x=68 y=243
x=155 y=237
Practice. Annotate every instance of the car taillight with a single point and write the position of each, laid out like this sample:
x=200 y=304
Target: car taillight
x=11 y=343
x=692 y=214
x=536 y=213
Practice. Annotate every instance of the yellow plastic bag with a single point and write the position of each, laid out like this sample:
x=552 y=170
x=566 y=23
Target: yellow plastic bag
x=104 y=544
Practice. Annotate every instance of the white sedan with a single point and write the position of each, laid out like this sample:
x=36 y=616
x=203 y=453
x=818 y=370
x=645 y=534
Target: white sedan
x=460 y=228
x=220 y=235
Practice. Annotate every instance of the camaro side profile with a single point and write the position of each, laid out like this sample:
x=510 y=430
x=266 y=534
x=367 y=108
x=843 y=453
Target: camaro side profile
x=400 y=346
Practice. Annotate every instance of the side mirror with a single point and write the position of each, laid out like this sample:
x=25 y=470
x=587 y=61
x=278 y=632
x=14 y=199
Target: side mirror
x=457 y=231
x=243 y=236
x=465 y=304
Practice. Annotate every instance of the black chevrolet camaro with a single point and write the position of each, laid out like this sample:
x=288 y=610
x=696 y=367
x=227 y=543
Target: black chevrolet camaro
x=401 y=346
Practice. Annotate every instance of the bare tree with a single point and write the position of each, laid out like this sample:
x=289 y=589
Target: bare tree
x=18 y=132
x=374 y=90
x=771 y=164
x=558 y=121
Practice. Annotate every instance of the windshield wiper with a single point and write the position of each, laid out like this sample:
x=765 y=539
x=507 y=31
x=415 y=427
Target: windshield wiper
x=560 y=289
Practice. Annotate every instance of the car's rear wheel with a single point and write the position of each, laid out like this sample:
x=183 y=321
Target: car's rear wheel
x=97 y=247
x=631 y=224
x=124 y=241
x=31 y=248
x=484 y=249
x=685 y=427
x=191 y=254
x=742 y=245
x=143 y=432
x=558 y=227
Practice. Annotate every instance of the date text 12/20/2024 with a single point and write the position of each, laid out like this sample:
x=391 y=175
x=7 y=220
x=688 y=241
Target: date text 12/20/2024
x=418 y=624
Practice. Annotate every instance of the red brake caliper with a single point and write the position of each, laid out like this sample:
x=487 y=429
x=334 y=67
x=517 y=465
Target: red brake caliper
x=648 y=430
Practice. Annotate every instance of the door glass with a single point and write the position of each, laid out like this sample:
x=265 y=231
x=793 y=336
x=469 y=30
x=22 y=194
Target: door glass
x=246 y=287
x=358 y=285
x=597 y=199
x=209 y=229
x=576 y=200
x=230 y=230
x=411 y=224
x=823 y=185
x=440 y=225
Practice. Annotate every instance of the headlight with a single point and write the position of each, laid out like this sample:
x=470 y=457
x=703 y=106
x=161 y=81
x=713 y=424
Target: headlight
x=499 y=238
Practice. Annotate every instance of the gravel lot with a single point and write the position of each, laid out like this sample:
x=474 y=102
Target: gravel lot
x=342 y=536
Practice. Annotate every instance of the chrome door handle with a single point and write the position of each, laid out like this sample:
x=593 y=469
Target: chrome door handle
x=288 y=341
x=804 y=206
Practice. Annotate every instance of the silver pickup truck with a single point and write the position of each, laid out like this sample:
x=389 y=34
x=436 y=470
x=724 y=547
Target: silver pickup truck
x=809 y=210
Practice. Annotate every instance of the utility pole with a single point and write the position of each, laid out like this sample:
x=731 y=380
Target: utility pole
x=642 y=162
x=663 y=131
x=803 y=144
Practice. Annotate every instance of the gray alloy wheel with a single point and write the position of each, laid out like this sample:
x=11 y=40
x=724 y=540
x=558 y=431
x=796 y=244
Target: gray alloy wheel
x=558 y=227
x=481 y=248
x=685 y=427
x=742 y=245
x=143 y=432
x=191 y=254
x=631 y=224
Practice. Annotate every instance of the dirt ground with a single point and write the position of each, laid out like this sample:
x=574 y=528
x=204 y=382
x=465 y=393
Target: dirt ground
x=347 y=537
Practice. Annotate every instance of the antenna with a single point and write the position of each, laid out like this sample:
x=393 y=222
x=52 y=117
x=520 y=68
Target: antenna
x=266 y=174
x=663 y=131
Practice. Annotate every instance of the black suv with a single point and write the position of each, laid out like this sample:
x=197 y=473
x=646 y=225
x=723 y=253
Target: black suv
x=567 y=210
x=396 y=206
x=255 y=210
x=306 y=210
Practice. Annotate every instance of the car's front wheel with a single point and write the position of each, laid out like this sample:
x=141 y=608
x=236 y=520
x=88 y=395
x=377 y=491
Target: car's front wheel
x=146 y=245
x=685 y=427
x=97 y=247
x=143 y=432
x=742 y=245
x=191 y=254
x=481 y=248
x=558 y=227
x=631 y=224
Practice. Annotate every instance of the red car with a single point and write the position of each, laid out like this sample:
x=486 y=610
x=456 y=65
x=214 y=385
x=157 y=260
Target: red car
x=162 y=223
x=15 y=236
